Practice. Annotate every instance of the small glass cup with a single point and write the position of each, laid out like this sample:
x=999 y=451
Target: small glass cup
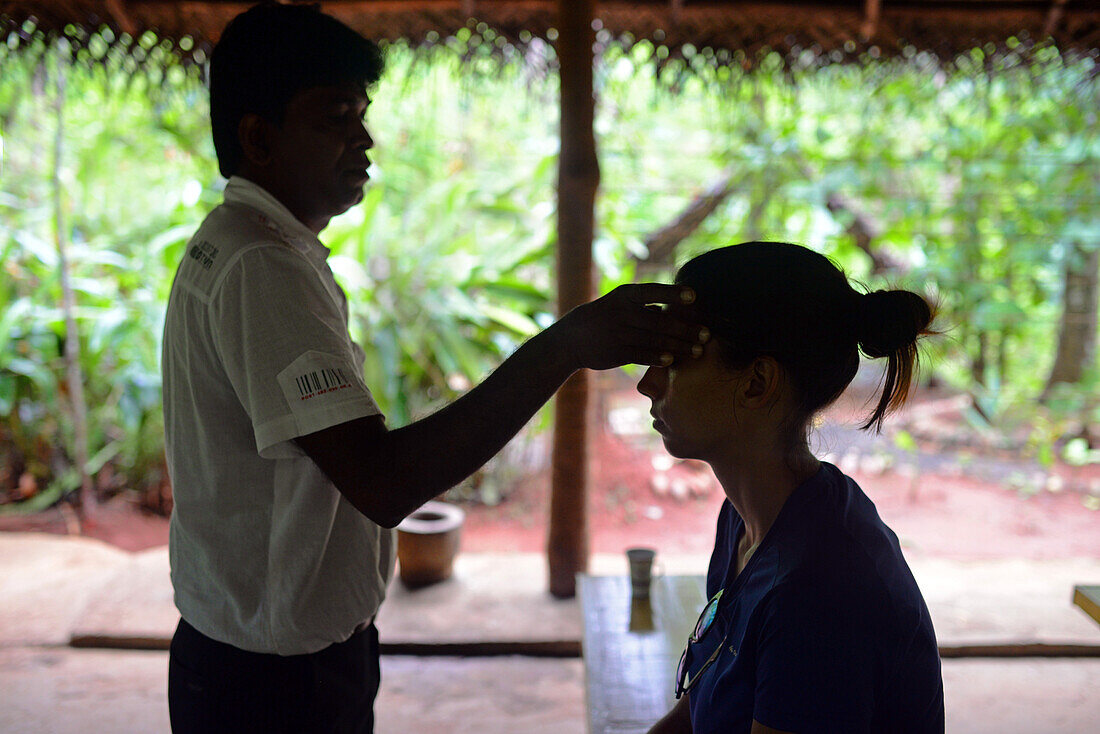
x=641 y=562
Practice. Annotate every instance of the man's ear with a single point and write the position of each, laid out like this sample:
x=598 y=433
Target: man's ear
x=254 y=134
x=762 y=383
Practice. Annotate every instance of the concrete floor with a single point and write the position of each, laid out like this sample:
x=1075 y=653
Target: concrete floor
x=52 y=589
x=70 y=691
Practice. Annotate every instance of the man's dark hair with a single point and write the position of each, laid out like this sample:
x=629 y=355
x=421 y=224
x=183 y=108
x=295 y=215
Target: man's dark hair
x=269 y=53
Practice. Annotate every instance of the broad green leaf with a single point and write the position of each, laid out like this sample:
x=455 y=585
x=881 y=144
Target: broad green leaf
x=517 y=322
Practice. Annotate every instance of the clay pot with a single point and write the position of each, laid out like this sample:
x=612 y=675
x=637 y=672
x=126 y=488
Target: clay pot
x=427 y=543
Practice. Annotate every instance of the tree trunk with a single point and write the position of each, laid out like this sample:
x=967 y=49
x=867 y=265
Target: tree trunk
x=1077 y=333
x=980 y=360
x=761 y=192
x=73 y=377
x=1006 y=333
x=662 y=243
x=973 y=206
x=578 y=180
x=864 y=231
x=861 y=228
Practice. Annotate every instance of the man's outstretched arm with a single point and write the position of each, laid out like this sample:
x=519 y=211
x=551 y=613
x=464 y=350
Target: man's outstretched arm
x=388 y=474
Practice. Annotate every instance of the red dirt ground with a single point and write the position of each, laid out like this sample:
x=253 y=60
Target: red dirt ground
x=955 y=516
x=951 y=517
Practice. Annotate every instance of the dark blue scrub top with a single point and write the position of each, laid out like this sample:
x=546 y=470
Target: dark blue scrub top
x=825 y=630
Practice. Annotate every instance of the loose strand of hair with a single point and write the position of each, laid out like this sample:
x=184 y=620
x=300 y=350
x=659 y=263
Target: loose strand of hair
x=896 y=385
x=901 y=366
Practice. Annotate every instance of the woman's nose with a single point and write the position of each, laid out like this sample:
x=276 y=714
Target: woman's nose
x=652 y=383
x=363 y=137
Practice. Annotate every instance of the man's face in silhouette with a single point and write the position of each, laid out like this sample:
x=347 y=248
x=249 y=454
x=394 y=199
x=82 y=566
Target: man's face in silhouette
x=318 y=154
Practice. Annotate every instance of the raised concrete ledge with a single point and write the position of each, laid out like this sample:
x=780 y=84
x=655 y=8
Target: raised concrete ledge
x=1020 y=650
x=80 y=592
x=574 y=649
x=115 y=641
x=526 y=648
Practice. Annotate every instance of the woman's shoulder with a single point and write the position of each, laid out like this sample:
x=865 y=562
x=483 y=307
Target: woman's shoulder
x=847 y=518
x=837 y=535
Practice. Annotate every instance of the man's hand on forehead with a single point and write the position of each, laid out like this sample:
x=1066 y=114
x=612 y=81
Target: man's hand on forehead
x=640 y=323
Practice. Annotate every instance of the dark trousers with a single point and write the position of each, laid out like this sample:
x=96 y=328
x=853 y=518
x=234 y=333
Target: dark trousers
x=214 y=687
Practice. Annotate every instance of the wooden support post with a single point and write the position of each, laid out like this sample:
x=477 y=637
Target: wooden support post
x=578 y=180
x=118 y=11
x=1054 y=17
x=871 y=11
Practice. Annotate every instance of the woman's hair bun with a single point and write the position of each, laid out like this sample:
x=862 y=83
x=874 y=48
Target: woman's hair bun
x=891 y=321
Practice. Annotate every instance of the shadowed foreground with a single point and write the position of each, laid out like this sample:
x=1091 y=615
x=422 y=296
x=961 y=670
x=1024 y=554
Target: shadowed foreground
x=53 y=590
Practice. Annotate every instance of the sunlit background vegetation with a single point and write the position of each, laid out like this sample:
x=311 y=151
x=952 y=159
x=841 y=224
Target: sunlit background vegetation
x=975 y=179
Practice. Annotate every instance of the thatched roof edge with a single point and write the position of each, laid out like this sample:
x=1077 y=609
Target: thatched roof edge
x=846 y=29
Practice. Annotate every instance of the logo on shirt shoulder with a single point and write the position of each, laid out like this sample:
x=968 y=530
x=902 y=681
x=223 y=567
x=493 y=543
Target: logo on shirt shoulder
x=321 y=381
x=204 y=253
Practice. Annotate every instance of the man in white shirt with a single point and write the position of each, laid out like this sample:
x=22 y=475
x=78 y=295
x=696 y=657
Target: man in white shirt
x=286 y=481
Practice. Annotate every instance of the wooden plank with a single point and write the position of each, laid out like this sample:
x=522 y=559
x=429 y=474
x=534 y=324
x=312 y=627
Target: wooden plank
x=1088 y=598
x=631 y=648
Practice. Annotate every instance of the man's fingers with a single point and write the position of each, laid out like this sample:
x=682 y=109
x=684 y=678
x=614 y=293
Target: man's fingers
x=638 y=330
x=649 y=357
x=661 y=324
x=645 y=294
x=684 y=343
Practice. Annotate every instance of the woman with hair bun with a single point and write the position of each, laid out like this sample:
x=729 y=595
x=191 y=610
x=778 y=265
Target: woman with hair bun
x=814 y=621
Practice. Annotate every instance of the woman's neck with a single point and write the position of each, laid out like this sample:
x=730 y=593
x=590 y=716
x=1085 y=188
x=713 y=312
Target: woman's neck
x=759 y=484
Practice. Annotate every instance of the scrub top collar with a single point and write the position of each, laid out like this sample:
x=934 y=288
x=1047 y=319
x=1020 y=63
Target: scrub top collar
x=731 y=582
x=271 y=214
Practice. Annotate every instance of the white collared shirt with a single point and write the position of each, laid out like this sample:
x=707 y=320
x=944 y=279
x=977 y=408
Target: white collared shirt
x=266 y=554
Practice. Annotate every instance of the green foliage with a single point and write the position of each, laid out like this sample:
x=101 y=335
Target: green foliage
x=135 y=172
x=446 y=263
x=979 y=179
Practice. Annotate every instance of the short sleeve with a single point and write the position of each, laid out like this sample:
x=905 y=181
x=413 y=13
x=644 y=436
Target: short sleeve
x=283 y=340
x=815 y=664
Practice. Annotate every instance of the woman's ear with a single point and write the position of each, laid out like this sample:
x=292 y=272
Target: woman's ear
x=253 y=131
x=763 y=382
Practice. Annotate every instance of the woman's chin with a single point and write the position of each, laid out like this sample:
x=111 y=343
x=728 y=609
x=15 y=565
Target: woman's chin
x=674 y=449
x=683 y=450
